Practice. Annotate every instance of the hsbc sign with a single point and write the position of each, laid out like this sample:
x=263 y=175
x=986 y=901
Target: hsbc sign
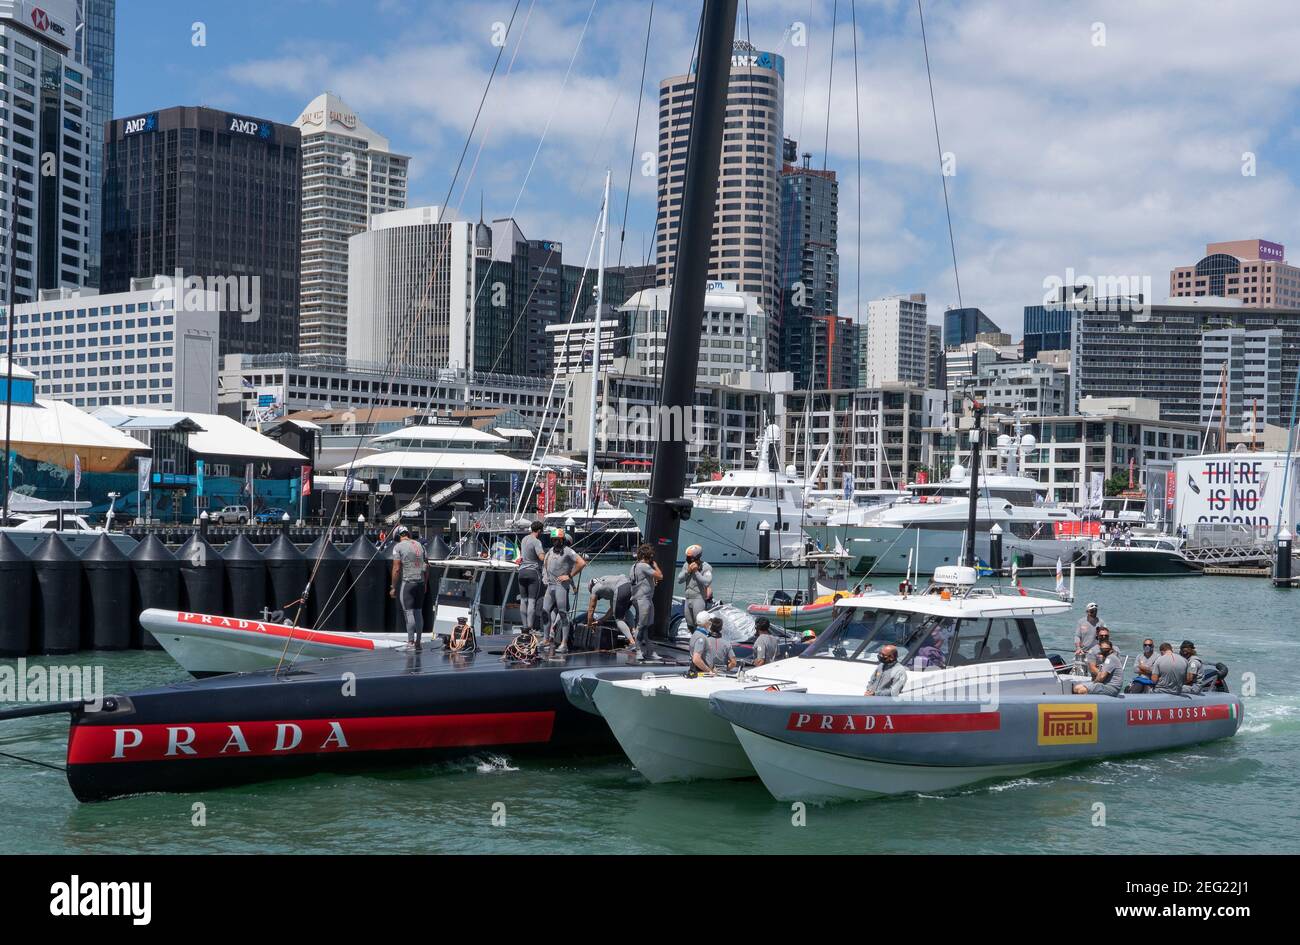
x=52 y=18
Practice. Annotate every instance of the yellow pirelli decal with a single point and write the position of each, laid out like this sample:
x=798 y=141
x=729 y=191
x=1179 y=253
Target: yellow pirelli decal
x=1067 y=724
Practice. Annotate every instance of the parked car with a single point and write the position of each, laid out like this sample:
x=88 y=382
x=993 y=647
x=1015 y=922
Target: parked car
x=231 y=515
x=270 y=516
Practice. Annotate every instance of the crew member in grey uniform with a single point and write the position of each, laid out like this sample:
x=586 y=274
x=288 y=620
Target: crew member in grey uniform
x=890 y=676
x=766 y=646
x=1086 y=634
x=409 y=581
x=709 y=650
x=645 y=575
x=1195 y=666
x=617 y=589
x=531 y=552
x=697 y=576
x=560 y=568
x=1170 y=671
x=1106 y=671
x=1144 y=663
x=1103 y=633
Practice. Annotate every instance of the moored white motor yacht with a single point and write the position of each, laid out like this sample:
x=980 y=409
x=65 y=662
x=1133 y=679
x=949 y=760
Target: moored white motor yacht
x=729 y=512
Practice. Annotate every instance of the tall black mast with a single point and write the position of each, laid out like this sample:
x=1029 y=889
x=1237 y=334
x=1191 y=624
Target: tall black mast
x=665 y=505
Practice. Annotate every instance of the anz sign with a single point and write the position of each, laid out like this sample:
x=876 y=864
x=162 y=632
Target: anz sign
x=250 y=127
x=134 y=126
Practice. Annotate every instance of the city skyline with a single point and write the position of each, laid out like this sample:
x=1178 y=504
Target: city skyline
x=1130 y=180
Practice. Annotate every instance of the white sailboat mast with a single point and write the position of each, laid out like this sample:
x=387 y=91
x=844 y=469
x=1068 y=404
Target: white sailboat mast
x=595 y=355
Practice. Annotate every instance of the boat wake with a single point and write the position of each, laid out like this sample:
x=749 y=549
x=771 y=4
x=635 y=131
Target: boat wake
x=491 y=764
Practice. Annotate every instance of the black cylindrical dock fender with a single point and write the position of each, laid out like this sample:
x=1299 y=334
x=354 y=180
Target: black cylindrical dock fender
x=56 y=617
x=203 y=576
x=328 y=607
x=286 y=571
x=16 y=598
x=155 y=582
x=106 y=616
x=368 y=574
x=245 y=579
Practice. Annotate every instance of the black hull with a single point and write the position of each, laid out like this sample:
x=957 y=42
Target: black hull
x=398 y=707
x=1135 y=562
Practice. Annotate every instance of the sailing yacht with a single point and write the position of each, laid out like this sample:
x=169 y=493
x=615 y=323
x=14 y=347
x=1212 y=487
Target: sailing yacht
x=729 y=513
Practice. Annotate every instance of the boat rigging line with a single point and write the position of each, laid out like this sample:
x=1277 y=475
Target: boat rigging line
x=934 y=112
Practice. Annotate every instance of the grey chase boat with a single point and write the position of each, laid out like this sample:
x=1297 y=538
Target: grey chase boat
x=994 y=708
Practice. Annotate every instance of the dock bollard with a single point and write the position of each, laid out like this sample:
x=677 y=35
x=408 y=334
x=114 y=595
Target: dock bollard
x=16 y=592
x=155 y=582
x=764 y=541
x=995 y=548
x=203 y=571
x=286 y=572
x=327 y=608
x=56 y=617
x=245 y=590
x=106 y=592
x=369 y=579
x=1282 y=569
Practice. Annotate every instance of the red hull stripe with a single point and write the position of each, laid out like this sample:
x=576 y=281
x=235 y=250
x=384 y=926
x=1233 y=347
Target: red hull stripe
x=278 y=630
x=1192 y=713
x=902 y=724
x=106 y=744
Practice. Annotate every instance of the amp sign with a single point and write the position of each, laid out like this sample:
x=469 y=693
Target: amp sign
x=1237 y=488
x=249 y=126
x=134 y=126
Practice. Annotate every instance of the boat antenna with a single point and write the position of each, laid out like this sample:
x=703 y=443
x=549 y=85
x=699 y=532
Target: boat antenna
x=665 y=506
x=9 y=343
x=976 y=441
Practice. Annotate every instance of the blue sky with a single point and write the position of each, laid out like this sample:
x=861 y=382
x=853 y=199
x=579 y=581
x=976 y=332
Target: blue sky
x=1103 y=139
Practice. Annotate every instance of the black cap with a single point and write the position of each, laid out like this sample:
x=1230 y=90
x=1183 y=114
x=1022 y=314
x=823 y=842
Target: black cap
x=762 y=624
x=1186 y=644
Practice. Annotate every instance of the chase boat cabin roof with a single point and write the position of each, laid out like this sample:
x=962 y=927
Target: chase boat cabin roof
x=963 y=599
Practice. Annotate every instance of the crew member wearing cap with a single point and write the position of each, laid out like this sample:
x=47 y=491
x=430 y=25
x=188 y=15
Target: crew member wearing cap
x=890 y=676
x=697 y=576
x=1195 y=666
x=560 y=568
x=1103 y=633
x=766 y=646
x=1086 y=634
x=617 y=589
x=709 y=650
x=409 y=581
x=1105 y=670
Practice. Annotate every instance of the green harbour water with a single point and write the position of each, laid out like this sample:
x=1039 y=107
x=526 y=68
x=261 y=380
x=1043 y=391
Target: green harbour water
x=1240 y=792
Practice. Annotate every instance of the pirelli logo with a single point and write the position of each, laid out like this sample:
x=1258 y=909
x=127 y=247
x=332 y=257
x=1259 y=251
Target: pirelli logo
x=1067 y=724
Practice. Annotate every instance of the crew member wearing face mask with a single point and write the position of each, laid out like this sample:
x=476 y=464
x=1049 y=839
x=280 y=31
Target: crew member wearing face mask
x=1105 y=670
x=890 y=676
x=697 y=576
x=560 y=569
x=709 y=651
x=1146 y=662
